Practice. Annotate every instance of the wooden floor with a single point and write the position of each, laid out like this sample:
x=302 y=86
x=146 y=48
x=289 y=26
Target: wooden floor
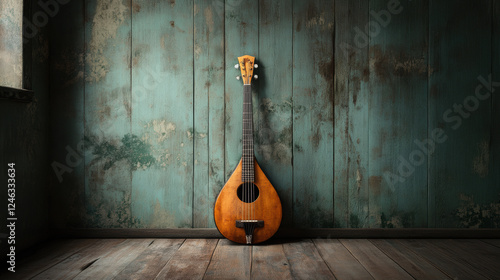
x=281 y=259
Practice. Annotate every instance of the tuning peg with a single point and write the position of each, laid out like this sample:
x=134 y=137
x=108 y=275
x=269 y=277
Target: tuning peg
x=236 y=66
x=238 y=78
x=256 y=65
x=256 y=76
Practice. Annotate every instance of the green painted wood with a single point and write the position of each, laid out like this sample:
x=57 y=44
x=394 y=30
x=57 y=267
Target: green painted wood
x=273 y=122
x=351 y=156
x=108 y=112
x=67 y=198
x=397 y=115
x=313 y=116
x=162 y=117
x=208 y=110
x=241 y=38
x=459 y=167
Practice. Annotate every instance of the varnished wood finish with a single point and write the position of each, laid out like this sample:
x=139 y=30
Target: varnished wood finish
x=228 y=208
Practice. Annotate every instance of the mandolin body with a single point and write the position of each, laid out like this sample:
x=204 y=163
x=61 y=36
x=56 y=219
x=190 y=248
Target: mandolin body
x=229 y=208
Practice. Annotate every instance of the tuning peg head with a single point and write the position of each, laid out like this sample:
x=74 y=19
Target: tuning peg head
x=238 y=78
x=256 y=65
x=236 y=66
x=256 y=76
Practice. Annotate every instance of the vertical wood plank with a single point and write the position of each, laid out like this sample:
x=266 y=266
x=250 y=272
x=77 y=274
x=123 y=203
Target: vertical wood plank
x=273 y=124
x=398 y=36
x=305 y=260
x=190 y=261
x=241 y=38
x=460 y=53
x=313 y=68
x=107 y=113
x=67 y=192
x=230 y=261
x=162 y=118
x=375 y=261
x=351 y=191
x=208 y=109
x=340 y=261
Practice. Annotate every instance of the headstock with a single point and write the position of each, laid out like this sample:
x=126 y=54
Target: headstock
x=246 y=64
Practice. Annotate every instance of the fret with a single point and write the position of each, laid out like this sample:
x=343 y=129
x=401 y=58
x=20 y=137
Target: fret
x=248 y=149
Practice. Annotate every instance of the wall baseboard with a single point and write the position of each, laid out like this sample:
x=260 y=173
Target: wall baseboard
x=282 y=233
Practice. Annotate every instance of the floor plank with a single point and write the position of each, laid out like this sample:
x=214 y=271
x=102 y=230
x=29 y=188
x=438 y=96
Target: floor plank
x=269 y=262
x=190 y=261
x=379 y=265
x=74 y=264
x=415 y=265
x=305 y=261
x=230 y=261
x=341 y=262
x=150 y=262
x=49 y=255
x=116 y=260
x=494 y=242
x=442 y=260
x=484 y=258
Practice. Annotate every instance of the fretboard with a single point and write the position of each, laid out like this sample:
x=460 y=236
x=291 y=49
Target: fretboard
x=247 y=174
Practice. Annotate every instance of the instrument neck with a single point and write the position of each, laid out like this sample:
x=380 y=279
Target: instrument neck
x=248 y=153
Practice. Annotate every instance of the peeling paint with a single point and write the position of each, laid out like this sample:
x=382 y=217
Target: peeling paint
x=162 y=129
x=109 y=16
x=161 y=218
x=473 y=215
x=397 y=219
x=480 y=164
x=132 y=149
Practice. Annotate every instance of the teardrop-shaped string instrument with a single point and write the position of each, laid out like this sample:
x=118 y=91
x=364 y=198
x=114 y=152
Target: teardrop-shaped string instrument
x=248 y=209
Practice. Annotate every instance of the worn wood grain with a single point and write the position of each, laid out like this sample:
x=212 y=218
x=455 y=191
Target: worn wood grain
x=162 y=119
x=305 y=260
x=480 y=256
x=379 y=265
x=442 y=260
x=398 y=116
x=459 y=167
x=241 y=38
x=274 y=87
x=340 y=261
x=230 y=261
x=190 y=261
x=75 y=263
x=67 y=178
x=313 y=68
x=151 y=261
x=269 y=262
x=351 y=192
x=209 y=109
x=107 y=115
x=110 y=265
x=412 y=263
x=49 y=255
x=494 y=242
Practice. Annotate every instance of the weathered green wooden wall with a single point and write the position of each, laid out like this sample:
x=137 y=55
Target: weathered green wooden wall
x=356 y=109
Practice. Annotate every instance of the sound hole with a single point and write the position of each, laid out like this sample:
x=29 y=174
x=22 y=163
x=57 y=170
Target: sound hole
x=248 y=192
